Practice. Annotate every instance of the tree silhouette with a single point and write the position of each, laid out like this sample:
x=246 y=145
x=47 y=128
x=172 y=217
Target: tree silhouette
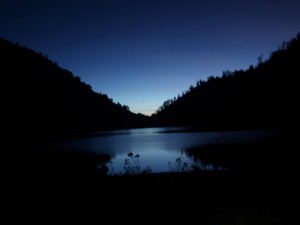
x=263 y=96
x=37 y=94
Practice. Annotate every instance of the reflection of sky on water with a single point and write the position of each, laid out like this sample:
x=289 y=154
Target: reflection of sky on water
x=157 y=160
x=156 y=146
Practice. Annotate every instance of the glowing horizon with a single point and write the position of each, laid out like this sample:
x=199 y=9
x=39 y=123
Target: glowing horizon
x=141 y=53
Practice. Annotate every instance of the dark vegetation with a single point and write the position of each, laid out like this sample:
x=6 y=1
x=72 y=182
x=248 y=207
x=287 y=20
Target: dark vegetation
x=40 y=99
x=38 y=96
x=264 y=96
x=258 y=188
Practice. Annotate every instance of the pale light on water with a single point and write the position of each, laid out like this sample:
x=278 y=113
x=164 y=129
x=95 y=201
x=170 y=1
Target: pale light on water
x=157 y=148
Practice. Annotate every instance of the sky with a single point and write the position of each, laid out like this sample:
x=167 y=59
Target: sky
x=143 y=52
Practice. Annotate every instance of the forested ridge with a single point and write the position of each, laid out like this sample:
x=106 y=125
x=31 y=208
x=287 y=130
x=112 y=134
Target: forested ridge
x=263 y=96
x=37 y=95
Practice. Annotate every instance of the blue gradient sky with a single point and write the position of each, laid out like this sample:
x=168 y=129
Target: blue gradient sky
x=141 y=53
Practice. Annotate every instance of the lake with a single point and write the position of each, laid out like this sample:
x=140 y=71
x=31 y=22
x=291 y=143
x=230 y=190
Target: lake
x=154 y=149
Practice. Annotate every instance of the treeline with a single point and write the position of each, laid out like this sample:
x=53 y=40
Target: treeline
x=263 y=96
x=36 y=95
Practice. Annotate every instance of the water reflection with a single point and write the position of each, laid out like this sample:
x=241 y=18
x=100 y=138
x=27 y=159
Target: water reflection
x=161 y=149
x=188 y=161
x=204 y=158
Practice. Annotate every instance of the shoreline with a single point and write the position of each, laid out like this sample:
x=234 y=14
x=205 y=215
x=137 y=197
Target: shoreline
x=49 y=188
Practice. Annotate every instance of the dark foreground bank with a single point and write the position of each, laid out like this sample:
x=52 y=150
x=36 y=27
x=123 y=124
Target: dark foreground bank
x=54 y=188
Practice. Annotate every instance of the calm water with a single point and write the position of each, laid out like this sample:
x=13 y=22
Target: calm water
x=160 y=149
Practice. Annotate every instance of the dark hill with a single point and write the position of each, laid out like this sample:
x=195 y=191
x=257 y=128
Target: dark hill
x=264 y=96
x=37 y=95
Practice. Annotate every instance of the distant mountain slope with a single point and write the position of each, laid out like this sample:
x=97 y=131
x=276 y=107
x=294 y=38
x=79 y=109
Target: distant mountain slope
x=37 y=95
x=264 y=96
